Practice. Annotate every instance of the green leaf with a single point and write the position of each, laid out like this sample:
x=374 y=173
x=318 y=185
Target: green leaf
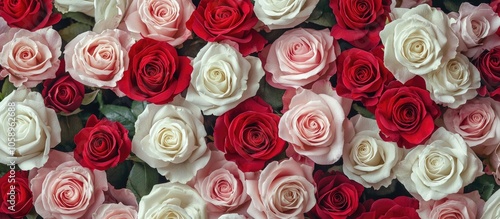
x=485 y=185
x=271 y=95
x=7 y=88
x=118 y=175
x=141 y=180
x=120 y=114
x=70 y=126
x=138 y=107
x=4 y=169
x=327 y=19
x=363 y=111
x=89 y=97
x=322 y=15
x=73 y=30
x=80 y=17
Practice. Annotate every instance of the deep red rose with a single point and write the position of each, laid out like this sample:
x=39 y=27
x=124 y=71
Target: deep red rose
x=102 y=144
x=337 y=196
x=63 y=93
x=488 y=64
x=248 y=134
x=218 y=20
x=28 y=14
x=401 y=207
x=405 y=113
x=155 y=73
x=15 y=182
x=359 y=22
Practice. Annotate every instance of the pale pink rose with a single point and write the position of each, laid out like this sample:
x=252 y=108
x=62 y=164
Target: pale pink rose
x=477 y=121
x=316 y=125
x=3 y=25
x=162 y=20
x=475 y=27
x=62 y=188
x=124 y=196
x=283 y=190
x=28 y=57
x=300 y=57
x=98 y=60
x=115 y=211
x=493 y=164
x=468 y=206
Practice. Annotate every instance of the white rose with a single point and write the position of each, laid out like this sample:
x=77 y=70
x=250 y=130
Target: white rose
x=455 y=83
x=36 y=129
x=222 y=78
x=171 y=138
x=172 y=200
x=368 y=159
x=109 y=13
x=279 y=14
x=441 y=167
x=84 y=6
x=232 y=216
x=491 y=208
x=417 y=41
x=115 y=211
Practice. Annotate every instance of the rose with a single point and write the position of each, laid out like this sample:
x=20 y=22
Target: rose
x=233 y=20
x=399 y=207
x=405 y=113
x=248 y=134
x=455 y=83
x=368 y=159
x=29 y=14
x=115 y=211
x=283 y=190
x=33 y=128
x=28 y=57
x=417 y=41
x=468 y=205
x=232 y=216
x=172 y=200
x=123 y=196
x=336 y=196
x=84 y=6
x=64 y=189
x=409 y=3
x=102 y=144
x=109 y=14
x=16 y=197
x=491 y=208
x=359 y=22
x=280 y=15
x=3 y=25
x=300 y=57
x=222 y=78
x=488 y=65
x=442 y=166
x=171 y=138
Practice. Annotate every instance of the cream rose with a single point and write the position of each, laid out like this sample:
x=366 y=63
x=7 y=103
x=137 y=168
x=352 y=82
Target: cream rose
x=441 y=167
x=108 y=14
x=222 y=78
x=28 y=129
x=368 y=159
x=84 y=6
x=492 y=206
x=171 y=138
x=455 y=83
x=466 y=206
x=28 y=57
x=417 y=41
x=115 y=211
x=278 y=14
x=172 y=200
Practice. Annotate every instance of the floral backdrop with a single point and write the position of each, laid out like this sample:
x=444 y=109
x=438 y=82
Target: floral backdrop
x=233 y=109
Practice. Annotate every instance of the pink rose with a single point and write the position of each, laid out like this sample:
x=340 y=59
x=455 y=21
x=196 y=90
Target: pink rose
x=300 y=57
x=115 y=211
x=4 y=27
x=124 y=196
x=28 y=57
x=468 y=206
x=493 y=164
x=162 y=20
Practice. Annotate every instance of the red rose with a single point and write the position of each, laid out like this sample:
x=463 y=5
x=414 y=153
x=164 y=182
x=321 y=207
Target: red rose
x=488 y=64
x=218 y=20
x=102 y=144
x=16 y=198
x=248 y=134
x=359 y=22
x=28 y=14
x=405 y=113
x=399 y=208
x=63 y=94
x=155 y=73
x=337 y=196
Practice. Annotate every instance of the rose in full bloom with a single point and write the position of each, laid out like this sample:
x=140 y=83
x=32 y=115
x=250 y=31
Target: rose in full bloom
x=276 y=14
x=248 y=134
x=29 y=14
x=405 y=113
x=283 y=190
x=109 y=14
x=488 y=64
x=155 y=72
x=417 y=41
x=441 y=166
x=102 y=144
x=29 y=57
x=171 y=138
x=222 y=78
x=162 y=20
x=300 y=57
x=232 y=216
x=336 y=196
x=115 y=211
x=172 y=200
x=62 y=188
x=491 y=208
x=17 y=202
x=359 y=22
x=384 y=208
x=469 y=205
x=493 y=164
x=37 y=129
x=233 y=20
